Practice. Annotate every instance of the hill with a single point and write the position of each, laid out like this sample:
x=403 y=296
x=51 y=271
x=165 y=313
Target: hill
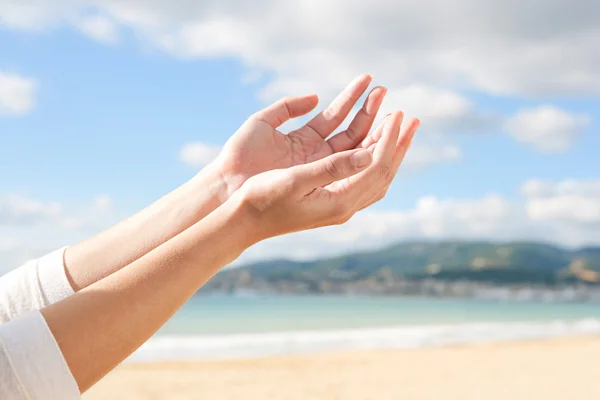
x=516 y=263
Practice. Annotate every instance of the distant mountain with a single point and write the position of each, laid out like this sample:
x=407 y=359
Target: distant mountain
x=493 y=263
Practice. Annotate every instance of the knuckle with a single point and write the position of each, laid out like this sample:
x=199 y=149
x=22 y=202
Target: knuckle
x=332 y=169
x=257 y=116
x=329 y=113
x=351 y=133
x=285 y=103
x=285 y=112
x=289 y=184
x=364 y=112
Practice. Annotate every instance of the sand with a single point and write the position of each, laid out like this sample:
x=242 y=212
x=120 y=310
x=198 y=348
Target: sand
x=551 y=369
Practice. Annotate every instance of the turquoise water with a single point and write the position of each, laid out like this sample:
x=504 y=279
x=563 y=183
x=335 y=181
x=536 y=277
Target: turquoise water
x=230 y=314
x=209 y=327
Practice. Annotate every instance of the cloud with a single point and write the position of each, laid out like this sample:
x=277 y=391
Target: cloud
x=571 y=202
x=566 y=213
x=198 y=154
x=17 y=94
x=102 y=202
x=21 y=210
x=547 y=128
x=99 y=28
x=563 y=212
x=31 y=227
x=542 y=48
x=421 y=157
x=439 y=110
x=429 y=53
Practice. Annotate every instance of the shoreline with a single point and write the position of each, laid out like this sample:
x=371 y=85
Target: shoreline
x=263 y=344
x=552 y=368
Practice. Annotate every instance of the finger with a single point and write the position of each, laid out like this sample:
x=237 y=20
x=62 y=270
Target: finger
x=336 y=167
x=288 y=107
x=361 y=188
x=386 y=146
x=375 y=136
x=404 y=142
x=365 y=186
x=361 y=124
x=329 y=119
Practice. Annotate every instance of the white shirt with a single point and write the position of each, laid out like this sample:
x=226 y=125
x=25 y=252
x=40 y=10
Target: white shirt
x=32 y=366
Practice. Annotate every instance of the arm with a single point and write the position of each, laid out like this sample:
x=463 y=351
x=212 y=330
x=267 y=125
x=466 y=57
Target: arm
x=255 y=148
x=98 y=257
x=55 y=276
x=108 y=320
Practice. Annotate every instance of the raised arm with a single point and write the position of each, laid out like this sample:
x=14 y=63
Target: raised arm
x=104 y=323
x=255 y=148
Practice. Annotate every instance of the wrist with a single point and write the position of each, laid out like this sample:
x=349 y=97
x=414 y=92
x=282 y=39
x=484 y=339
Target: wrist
x=219 y=179
x=244 y=219
x=223 y=235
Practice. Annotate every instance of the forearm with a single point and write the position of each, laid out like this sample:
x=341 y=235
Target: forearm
x=98 y=257
x=108 y=320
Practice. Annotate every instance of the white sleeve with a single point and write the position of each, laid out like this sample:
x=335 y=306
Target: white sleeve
x=32 y=366
x=35 y=285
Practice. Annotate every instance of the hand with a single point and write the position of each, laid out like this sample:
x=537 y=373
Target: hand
x=331 y=190
x=258 y=146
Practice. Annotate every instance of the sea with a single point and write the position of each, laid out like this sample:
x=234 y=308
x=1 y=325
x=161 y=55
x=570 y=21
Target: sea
x=244 y=326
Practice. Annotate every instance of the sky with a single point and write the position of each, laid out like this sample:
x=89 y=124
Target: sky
x=106 y=105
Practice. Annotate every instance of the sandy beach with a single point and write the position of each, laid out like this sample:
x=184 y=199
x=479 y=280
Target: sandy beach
x=547 y=369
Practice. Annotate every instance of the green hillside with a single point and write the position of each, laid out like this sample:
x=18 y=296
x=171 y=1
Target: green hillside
x=499 y=263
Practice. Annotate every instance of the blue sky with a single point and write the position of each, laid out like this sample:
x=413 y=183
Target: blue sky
x=113 y=106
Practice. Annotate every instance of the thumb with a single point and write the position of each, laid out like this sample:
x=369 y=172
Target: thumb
x=288 y=107
x=333 y=168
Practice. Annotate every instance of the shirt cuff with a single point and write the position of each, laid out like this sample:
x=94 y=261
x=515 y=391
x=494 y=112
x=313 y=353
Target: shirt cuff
x=36 y=359
x=54 y=284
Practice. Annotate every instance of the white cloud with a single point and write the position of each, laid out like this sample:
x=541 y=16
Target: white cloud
x=31 y=227
x=428 y=53
x=420 y=157
x=103 y=202
x=547 y=128
x=17 y=94
x=546 y=47
x=99 y=28
x=198 y=154
x=566 y=213
x=439 y=110
x=546 y=188
x=23 y=211
x=569 y=202
x=19 y=210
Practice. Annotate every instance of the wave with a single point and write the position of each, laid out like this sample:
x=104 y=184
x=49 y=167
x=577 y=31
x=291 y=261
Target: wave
x=175 y=347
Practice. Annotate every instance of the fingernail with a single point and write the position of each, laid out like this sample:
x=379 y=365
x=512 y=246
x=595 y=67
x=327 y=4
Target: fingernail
x=361 y=158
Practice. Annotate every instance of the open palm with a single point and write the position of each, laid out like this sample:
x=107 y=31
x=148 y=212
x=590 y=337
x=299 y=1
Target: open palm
x=258 y=146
